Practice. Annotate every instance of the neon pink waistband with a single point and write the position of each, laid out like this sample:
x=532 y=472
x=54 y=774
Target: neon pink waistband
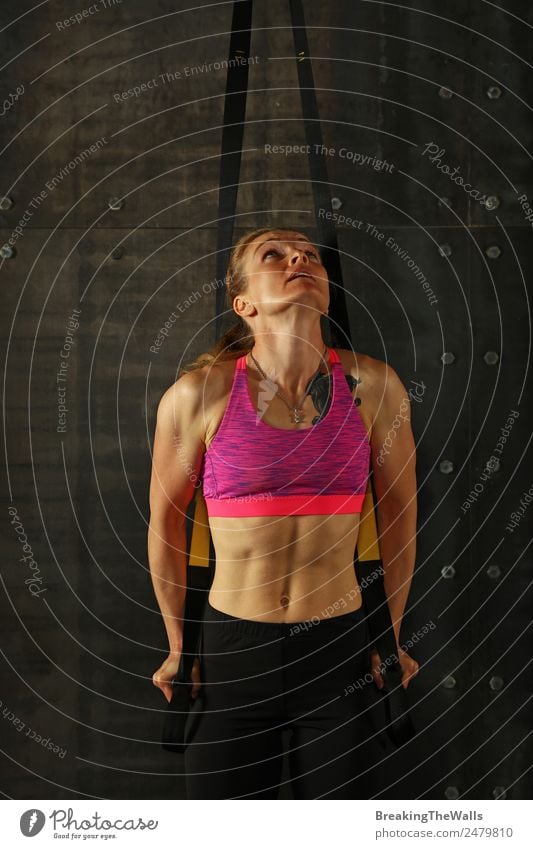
x=285 y=505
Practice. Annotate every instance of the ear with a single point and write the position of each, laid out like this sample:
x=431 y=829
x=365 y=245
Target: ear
x=243 y=308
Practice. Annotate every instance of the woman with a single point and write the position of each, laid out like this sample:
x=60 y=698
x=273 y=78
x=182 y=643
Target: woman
x=268 y=422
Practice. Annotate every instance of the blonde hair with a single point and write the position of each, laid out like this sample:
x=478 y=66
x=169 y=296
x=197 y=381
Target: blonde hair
x=239 y=339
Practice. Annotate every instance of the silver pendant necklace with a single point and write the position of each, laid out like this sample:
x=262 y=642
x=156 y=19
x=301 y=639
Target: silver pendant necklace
x=296 y=414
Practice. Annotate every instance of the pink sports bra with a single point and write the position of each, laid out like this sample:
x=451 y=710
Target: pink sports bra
x=251 y=468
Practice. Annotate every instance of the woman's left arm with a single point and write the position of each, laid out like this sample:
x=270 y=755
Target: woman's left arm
x=394 y=476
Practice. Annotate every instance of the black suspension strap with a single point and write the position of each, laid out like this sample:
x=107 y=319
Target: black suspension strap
x=232 y=136
x=199 y=580
x=395 y=720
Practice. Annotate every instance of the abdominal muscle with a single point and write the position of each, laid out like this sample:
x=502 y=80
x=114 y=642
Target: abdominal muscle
x=285 y=568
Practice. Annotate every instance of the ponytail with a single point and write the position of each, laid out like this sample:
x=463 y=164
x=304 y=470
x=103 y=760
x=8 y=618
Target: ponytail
x=234 y=343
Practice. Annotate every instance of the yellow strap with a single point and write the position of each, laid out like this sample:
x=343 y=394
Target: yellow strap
x=367 y=542
x=199 y=553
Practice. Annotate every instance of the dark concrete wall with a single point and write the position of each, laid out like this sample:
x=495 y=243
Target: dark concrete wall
x=79 y=654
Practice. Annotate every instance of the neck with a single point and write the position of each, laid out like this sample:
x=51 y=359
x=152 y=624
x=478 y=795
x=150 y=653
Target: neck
x=290 y=360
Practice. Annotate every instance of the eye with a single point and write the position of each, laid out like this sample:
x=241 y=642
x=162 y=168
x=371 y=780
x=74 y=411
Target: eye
x=312 y=254
x=270 y=251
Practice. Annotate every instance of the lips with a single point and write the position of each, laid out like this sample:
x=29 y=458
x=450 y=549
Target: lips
x=300 y=274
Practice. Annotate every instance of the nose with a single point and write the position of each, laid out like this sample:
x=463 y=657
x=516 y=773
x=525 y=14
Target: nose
x=299 y=254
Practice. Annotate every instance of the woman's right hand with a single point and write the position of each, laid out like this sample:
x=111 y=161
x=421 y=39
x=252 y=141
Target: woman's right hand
x=166 y=673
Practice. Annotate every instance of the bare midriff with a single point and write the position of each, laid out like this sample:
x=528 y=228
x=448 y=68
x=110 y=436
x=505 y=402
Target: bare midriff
x=285 y=568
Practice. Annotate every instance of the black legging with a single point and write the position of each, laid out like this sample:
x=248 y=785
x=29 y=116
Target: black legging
x=259 y=678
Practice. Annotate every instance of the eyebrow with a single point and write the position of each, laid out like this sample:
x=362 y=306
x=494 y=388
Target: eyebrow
x=260 y=245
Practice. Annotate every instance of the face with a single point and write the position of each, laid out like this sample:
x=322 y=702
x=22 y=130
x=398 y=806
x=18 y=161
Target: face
x=282 y=267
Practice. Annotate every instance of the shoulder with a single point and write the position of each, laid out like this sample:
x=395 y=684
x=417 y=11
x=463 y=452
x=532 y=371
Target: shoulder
x=368 y=370
x=194 y=392
x=379 y=383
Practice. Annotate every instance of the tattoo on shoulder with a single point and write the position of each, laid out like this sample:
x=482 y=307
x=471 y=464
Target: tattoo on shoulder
x=352 y=383
x=320 y=390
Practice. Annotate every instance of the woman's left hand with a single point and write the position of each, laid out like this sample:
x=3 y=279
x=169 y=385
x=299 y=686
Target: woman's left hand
x=409 y=666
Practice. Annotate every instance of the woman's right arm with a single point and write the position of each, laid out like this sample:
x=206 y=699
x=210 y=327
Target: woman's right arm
x=177 y=456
